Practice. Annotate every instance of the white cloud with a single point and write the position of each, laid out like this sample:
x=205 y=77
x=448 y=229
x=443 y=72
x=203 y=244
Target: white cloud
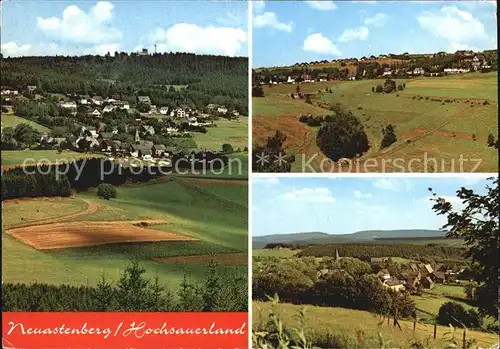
x=320 y=44
x=393 y=184
x=185 y=37
x=360 y=33
x=76 y=26
x=360 y=195
x=322 y=195
x=322 y=5
x=258 y=5
x=269 y=19
x=379 y=20
x=459 y=27
x=13 y=49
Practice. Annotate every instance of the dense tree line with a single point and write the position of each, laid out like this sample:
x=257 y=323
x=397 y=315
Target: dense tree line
x=132 y=292
x=209 y=79
x=348 y=283
x=365 y=251
x=60 y=179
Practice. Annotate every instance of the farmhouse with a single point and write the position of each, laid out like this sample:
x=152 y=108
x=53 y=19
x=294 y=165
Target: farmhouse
x=164 y=110
x=427 y=282
x=351 y=75
x=222 y=109
x=84 y=100
x=140 y=150
x=387 y=72
x=290 y=80
x=31 y=88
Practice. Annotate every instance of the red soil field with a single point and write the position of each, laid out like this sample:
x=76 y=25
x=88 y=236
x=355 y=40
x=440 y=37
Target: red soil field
x=79 y=234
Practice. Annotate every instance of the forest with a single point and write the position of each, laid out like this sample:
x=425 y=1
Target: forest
x=366 y=251
x=170 y=79
x=133 y=292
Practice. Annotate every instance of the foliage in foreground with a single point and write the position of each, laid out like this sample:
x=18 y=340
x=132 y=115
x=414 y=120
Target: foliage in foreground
x=133 y=292
x=275 y=334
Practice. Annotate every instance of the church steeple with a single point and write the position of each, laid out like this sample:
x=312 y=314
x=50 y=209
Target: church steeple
x=137 y=138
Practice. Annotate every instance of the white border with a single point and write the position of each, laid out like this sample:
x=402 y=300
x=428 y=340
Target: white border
x=378 y=175
x=249 y=190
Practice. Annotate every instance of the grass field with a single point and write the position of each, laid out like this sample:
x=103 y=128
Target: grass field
x=32 y=157
x=11 y=120
x=219 y=225
x=434 y=132
x=361 y=328
x=234 y=132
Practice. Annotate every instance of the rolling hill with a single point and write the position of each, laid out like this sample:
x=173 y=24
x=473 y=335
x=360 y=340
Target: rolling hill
x=376 y=236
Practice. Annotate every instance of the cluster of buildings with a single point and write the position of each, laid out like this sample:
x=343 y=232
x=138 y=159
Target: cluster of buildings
x=90 y=138
x=419 y=275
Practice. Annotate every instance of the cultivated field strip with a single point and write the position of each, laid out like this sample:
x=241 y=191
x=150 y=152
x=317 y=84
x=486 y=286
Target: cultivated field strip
x=80 y=234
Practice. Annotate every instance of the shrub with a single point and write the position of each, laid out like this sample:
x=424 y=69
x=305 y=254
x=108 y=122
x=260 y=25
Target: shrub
x=454 y=314
x=379 y=89
x=485 y=103
x=491 y=140
x=227 y=148
x=106 y=191
x=343 y=137
x=474 y=137
x=389 y=136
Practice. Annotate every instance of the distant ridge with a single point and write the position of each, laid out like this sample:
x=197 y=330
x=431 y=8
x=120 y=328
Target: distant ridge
x=360 y=236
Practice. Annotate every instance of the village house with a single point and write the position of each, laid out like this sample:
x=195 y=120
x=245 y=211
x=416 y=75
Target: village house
x=387 y=72
x=95 y=113
x=427 y=283
x=108 y=145
x=122 y=105
x=31 y=88
x=143 y=151
x=222 y=109
x=180 y=113
x=351 y=75
x=290 y=80
x=394 y=284
x=109 y=108
x=456 y=70
x=159 y=150
x=306 y=77
x=87 y=143
x=164 y=110
x=68 y=105
x=144 y=99
x=6 y=90
x=148 y=130
x=84 y=100
x=97 y=100
x=384 y=274
x=418 y=71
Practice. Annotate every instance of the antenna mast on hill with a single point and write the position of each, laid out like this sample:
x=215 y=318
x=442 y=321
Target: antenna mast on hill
x=155 y=48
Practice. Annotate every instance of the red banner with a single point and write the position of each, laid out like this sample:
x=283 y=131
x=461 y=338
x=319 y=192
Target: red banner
x=125 y=330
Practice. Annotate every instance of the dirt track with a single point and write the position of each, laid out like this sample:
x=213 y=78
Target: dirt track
x=222 y=258
x=79 y=234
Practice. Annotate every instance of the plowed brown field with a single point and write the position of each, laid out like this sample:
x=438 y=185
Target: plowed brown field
x=79 y=234
x=223 y=259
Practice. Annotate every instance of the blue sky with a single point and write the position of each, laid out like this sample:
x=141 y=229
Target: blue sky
x=96 y=27
x=346 y=205
x=287 y=32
